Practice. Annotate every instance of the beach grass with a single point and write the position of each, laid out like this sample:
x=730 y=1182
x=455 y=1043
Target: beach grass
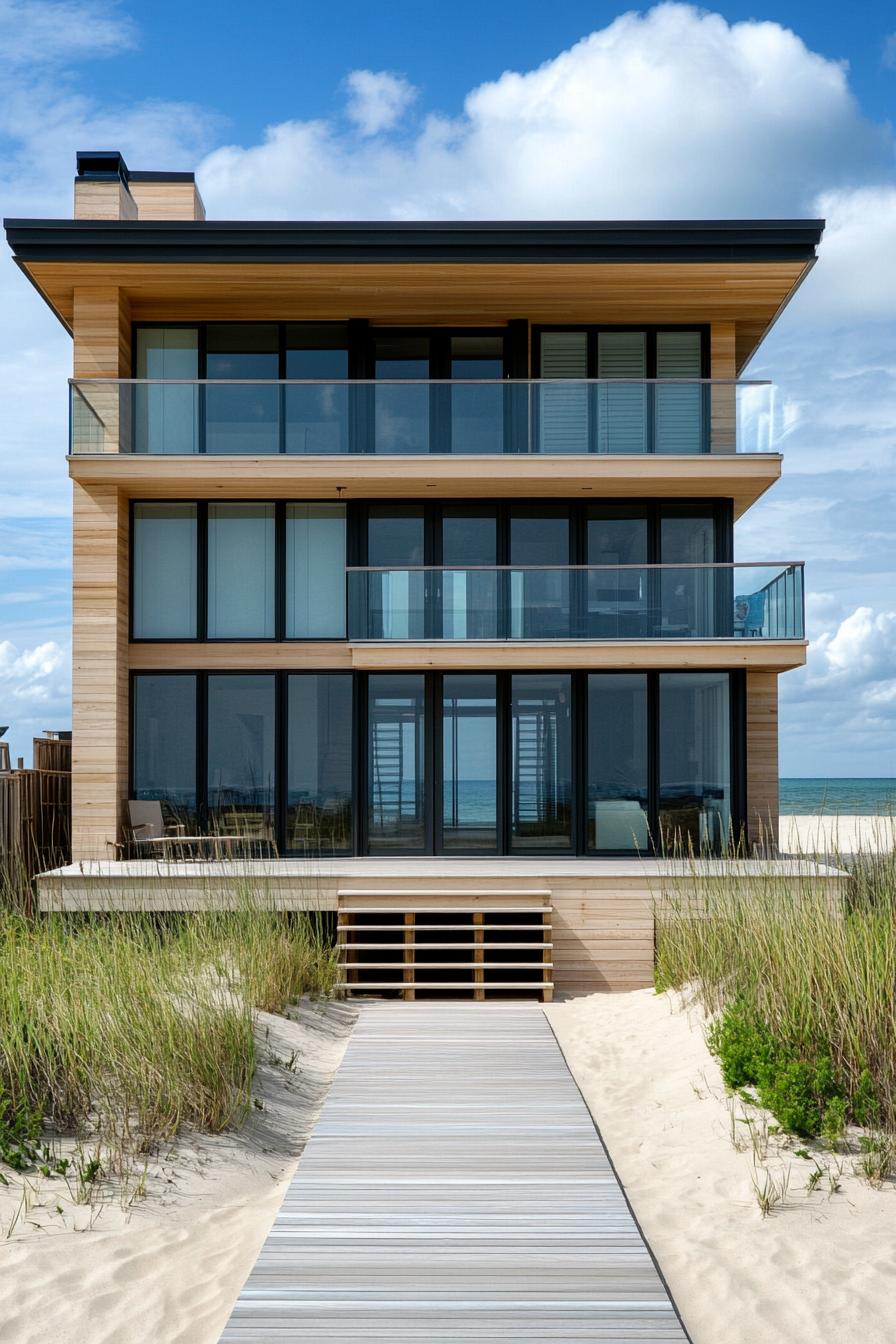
x=131 y=1027
x=799 y=986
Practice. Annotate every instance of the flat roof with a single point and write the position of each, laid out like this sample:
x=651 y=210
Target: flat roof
x=532 y=241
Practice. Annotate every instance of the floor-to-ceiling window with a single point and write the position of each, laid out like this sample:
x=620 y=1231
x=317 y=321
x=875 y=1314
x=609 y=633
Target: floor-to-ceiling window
x=163 y=744
x=241 y=579
x=397 y=801
x=319 y=766
x=243 y=418
x=315 y=571
x=241 y=758
x=470 y=776
x=164 y=571
x=541 y=814
x=617 y=816
x=396 y=585
x=540 y=577
x=695 y=779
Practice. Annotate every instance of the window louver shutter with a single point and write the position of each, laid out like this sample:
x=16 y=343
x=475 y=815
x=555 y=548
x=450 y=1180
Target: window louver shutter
x=563 y=419
x=622 y=411
x=679 y=409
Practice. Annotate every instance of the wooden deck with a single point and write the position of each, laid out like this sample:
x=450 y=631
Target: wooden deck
x=454 y=1189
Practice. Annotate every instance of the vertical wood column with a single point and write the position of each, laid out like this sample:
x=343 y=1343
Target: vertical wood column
x=478 y=955
x=723 y=364
x=101 y=330
x=408 y=957
x=763 y=801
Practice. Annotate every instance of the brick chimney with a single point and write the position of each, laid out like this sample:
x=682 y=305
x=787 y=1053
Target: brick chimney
x=105 y=188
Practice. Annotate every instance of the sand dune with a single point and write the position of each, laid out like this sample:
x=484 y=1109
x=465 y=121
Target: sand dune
x=822 y=1270
x=837 y=835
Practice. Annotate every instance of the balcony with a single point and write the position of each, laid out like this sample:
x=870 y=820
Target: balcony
x=456 y=418
x=583 y=602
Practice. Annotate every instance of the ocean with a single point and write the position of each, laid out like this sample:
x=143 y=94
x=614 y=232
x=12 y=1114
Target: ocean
x=838 y=797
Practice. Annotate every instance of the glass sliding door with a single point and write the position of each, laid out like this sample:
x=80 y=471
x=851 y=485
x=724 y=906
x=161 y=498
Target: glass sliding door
x=470 y=595
x=164 y=571
x=401 y=412
x=477 y=413
x=317 y=417
x=690 y=596
x=617 y=798
x=694 y=761
x=319 y=763
x=315 y=571
x=395 y=598
x=469 y=763
x=241 y=756
x=163 y=746
x=541 y=764
x=244 y=418
x=540 y=588
x=396 y=786
x=617 y=598
x=165 y=416
x=241 y=585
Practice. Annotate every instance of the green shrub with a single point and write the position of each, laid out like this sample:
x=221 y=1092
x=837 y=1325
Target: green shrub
x=743 y=1046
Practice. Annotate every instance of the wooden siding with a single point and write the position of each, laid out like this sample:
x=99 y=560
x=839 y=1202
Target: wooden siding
x=763 y=803
x=723 y=364
x=167 y=200
x=478 y=294
x=103 y=200
x=727 y=476
x=454 y=1188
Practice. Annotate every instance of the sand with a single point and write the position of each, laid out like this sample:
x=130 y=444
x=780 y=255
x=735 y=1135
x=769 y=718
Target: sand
x=168 y=1267
x=833 y=836
x=820 y=1269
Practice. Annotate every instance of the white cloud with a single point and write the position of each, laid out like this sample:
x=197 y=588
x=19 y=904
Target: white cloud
x=672 y=112
x=51 y=33
x=33 y=675
x=377 y=100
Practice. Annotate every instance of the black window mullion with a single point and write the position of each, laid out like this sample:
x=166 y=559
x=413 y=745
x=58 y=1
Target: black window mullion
x=578 y=690
x=362 y=773
x=653 y=759
x=202 y=570
x=202 y=751
x=279 y=571
x=502 y=772
x=432 y=791
x=434 y=774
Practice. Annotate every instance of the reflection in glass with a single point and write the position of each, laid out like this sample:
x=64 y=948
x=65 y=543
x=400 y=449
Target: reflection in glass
x=563 y=414
x=164 y=571
x=319 y=763
x=691 y=599
x=241 y=756
x=541 y=783
x=540 y=599
x=695 y=761
x=617 y=797
x=395 y=598
x=241 y=571
x=315 y=571
x=165 y=416
x=469 y=762
x=317 y=417
x=622 y=410
x=477 y=413
x=395 y=763
x=678 y=413
x=164 y=745
x=244 y=418
x=401 y=415
x=469 y=596
x=617 y=599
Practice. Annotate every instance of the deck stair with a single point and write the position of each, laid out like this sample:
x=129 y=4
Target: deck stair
x=446 y=942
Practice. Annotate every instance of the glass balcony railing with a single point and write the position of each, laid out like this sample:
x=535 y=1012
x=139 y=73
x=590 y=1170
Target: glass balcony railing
x=396 y=418
x=593 y=602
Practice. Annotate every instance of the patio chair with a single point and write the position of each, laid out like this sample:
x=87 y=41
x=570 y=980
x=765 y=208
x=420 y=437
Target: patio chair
x=148 y=827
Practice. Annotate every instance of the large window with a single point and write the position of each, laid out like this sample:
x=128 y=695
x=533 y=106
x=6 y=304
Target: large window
x=319 y=763
x=618 y=791
x=396 y=794
x=541 y=774
x=454 y=763
x=470 y=762
x=166 y=416
x=694 y=760
x=243 y=418
x=241 y=571
x=315 y=571
x=241 y=757
x=317 y=415
x=164 y=744
x=164 y=562
x=540 y=587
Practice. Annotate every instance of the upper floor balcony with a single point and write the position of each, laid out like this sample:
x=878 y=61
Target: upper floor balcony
x=423 y=418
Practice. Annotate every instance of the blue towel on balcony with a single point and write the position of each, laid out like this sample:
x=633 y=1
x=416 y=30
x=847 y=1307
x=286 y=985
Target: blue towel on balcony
x=749 y=614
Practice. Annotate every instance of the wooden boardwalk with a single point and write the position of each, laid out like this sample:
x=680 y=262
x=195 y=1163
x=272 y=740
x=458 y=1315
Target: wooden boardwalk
x=454 y=1189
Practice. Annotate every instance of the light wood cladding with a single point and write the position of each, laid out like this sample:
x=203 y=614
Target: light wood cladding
x=167 y=200
x=336 y=655
x=100 y=669
x=103 y=200
x=723 y=364
x=478 y=294
x=763 y=803
x=101 y=327
x=743 y=478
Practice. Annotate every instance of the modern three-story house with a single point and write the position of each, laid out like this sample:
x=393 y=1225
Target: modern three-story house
x=404 y=551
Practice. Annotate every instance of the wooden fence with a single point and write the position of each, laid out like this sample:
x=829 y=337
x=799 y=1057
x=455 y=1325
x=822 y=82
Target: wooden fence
x=35 y=812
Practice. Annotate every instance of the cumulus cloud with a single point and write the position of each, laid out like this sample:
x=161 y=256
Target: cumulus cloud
x=31 y=676
x=672 y=112
x=377 y=100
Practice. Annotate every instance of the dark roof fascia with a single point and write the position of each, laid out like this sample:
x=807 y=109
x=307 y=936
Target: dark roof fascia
x=223 y=241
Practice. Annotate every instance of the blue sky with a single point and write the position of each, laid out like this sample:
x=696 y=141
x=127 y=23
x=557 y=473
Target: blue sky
x=477 y=110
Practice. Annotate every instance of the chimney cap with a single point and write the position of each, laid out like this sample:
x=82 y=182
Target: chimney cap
x=102 y=165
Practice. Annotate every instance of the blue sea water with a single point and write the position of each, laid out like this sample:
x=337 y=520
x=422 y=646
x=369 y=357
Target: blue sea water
x=838 y=797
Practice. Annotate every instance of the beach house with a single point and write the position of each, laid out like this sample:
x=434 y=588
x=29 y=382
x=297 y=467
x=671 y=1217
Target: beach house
x=404 y=568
